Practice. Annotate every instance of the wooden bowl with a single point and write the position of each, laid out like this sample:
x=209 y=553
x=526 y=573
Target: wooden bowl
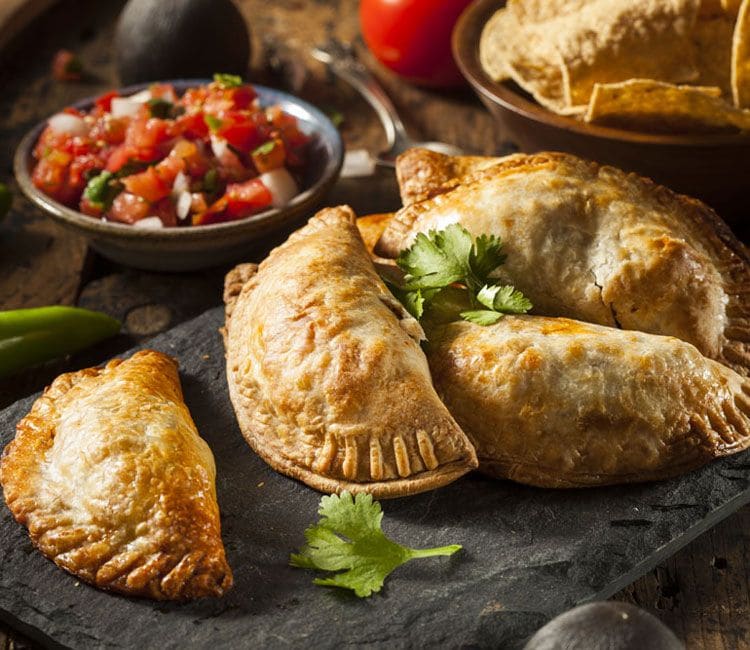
x=714 y=168
x=197 y=247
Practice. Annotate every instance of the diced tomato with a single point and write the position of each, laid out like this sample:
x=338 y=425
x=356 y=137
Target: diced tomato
x=124 y=154
x=81 y=146
x=239 y=130
x=147 y=132
x=168 y=169
x=240 y=200
x=245 y=198
x=165 y=210
x=147 y=184
x=108 y=129
x=195 y=161
x=219 y=99
x=53 y=180
x=80 y=166
x=128 y=208
x=59 y=158
x=191 y=126
x=89 y=208
x=215 y=214
x=104 y=102
x=268 y=156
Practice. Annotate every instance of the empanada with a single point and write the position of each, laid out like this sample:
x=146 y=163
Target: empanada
x=594 y=243
x=326 y=374
x=554 y=402
x=115 y=485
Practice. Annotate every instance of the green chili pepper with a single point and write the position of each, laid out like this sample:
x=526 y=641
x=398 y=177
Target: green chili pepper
x=32 y=336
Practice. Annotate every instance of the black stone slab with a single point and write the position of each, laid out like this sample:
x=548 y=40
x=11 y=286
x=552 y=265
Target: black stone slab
x=529 y=553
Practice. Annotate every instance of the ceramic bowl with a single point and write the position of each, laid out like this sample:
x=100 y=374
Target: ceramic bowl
x=713 y=168
x=197 y=247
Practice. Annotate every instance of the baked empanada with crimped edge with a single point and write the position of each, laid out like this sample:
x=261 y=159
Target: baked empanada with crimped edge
x=326 y=374
x=597 y=244
x=422 y=173
x=113 y=482
x=559 y=403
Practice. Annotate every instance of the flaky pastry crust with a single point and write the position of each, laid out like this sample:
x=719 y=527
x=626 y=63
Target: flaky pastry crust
x=597 y=244
x=113 y=482
x=558 y=403
x=326 y=375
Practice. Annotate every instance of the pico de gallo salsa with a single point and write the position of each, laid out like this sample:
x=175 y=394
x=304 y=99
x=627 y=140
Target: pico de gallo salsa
x=159 y=160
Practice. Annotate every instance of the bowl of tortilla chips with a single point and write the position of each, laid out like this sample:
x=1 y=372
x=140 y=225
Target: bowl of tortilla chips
x=658 y=87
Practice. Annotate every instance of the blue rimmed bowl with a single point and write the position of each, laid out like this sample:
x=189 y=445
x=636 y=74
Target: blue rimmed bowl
x=198 y=247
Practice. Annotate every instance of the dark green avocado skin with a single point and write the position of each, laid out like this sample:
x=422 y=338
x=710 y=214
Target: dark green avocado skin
x=605 y=626
x=180 y=39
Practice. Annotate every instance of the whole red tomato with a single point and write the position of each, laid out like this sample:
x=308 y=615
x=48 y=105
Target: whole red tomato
x=413 y=37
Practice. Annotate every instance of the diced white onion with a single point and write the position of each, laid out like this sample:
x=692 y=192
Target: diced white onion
x=141 y=97
x=125 y=107
x=281 y=185
x=150 y=223
x=219 y=146
x=181 y=184
x=184 y=203
x=357 y=163
x=67 y=123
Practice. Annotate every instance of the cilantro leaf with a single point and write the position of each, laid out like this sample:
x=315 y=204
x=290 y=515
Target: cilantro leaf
x=447 y=274
x=349 y=539
x=160 y=108
x=504 y=298
x=447 y=304
x=214 y=123
x=481 y=316
x=486 y=256
x=265 y=148
x=429 y=263
x=228 y=80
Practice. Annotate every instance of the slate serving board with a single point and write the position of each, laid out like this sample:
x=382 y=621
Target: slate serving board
x=528 y=553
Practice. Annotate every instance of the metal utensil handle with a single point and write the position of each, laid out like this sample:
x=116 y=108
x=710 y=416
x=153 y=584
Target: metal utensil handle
x=342 y=63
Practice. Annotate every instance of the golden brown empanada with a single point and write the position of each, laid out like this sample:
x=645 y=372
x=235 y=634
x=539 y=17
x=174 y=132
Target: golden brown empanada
x=560 y=403
x=370 y=228
x=594 y=243
x=326 y=374
x=115 y=485
x=422 y=173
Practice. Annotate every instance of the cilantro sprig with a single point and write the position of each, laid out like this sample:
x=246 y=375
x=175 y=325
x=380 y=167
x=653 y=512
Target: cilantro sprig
x=450 y=272
x=228 y=80
x=349 y=539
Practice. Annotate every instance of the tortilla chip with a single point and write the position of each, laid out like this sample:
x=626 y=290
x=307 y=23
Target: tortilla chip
x=712 y=38
x=608 y=41
x=493 y=46
x=741 y=58
x=537 y=11
x=657 y=107
x=558 y=49
x=731 y=7
x=525 y=54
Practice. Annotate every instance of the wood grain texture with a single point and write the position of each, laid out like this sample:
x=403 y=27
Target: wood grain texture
x=701 y=593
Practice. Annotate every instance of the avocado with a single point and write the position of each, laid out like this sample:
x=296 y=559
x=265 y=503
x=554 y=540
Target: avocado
x=605 y=626
x=178 y=39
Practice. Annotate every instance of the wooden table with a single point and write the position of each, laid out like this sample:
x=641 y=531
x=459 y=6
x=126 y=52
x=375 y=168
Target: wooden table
x=701 y=593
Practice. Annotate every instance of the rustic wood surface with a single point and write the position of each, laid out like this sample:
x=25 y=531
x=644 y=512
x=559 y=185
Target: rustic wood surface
x=701 y=593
